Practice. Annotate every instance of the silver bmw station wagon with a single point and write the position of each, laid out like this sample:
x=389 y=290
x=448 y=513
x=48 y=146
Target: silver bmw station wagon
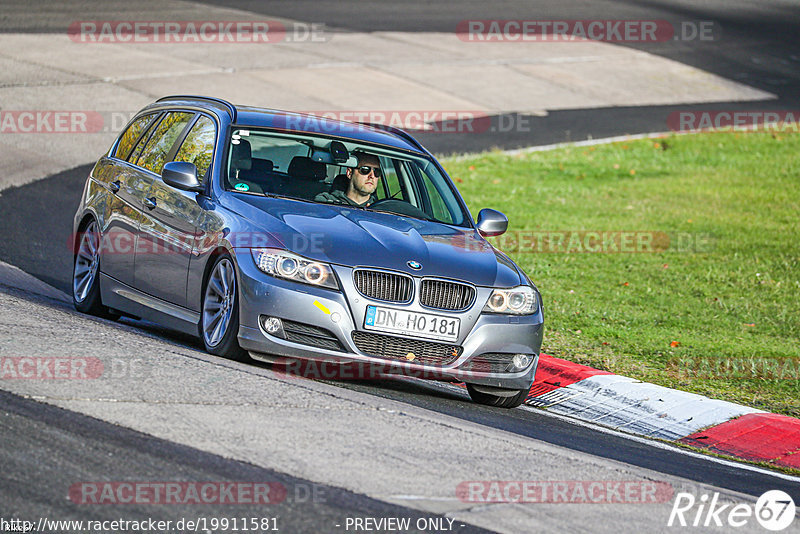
x=280 y=236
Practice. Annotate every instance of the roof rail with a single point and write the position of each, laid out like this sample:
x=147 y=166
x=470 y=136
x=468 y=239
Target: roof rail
x=230 y=108
x=397 y=131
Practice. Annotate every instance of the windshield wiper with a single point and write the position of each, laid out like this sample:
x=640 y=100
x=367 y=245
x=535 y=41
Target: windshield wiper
x=276 y=195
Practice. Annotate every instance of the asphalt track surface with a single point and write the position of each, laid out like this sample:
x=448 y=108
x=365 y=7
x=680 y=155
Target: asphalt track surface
x=42 y=250
x=759 y=47
x=58 y=443
x=754 y=43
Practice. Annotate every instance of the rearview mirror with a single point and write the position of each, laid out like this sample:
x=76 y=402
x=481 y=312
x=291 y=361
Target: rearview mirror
x=181 y=175
x=339 y=152
x=492 y=223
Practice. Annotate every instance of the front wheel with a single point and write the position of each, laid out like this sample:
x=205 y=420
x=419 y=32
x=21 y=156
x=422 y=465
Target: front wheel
x=498 y=397
x=219 y=324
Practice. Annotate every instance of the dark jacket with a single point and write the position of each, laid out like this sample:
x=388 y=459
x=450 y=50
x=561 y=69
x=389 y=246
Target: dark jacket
x=337 y=196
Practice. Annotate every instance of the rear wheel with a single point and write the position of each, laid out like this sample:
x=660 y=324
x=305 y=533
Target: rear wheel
x=86 y=274
x=499 y=397
x=219 y=324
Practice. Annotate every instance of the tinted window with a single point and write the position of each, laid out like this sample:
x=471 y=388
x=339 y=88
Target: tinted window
x=198 y=147
x=161 y=142
x=438 y=207
x=443 y=204
x=390 y=179
x=131 y=135
x=417 y=187
x=143 y=140
x=279 y=151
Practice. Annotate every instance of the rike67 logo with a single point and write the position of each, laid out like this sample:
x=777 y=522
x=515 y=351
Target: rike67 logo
x=774 y=510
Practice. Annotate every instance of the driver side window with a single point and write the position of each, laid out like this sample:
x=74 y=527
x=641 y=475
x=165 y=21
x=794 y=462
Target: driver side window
x=391 y=180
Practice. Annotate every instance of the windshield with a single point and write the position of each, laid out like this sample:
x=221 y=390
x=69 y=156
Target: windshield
x=317 y=169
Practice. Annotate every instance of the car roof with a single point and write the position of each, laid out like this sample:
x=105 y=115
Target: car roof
x=255 y=117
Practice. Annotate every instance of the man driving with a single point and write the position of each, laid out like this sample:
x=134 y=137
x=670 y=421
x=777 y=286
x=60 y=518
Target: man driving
x=361 y=185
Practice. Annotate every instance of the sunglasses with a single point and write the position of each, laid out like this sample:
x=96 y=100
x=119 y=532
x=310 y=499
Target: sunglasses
x=364 y=170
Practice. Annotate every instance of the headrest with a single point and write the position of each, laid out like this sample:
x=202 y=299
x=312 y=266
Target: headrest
x=303 y=168
x=241 y=158
x=340 y=182
x=262 y=165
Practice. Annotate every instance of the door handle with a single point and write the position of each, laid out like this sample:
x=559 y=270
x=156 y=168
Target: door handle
x=150 y=203
x=114 y=186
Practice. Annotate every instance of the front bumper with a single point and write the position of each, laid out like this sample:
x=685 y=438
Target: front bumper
x=342 y=312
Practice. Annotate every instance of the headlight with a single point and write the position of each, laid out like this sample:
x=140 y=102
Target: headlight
x=517 y=301
x=284 y=264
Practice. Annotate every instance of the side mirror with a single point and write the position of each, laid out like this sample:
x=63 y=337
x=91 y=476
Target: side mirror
x=181 y=175
x=492 y=223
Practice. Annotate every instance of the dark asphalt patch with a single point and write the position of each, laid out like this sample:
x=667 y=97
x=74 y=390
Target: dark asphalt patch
x=47 y=449
x=36 y=223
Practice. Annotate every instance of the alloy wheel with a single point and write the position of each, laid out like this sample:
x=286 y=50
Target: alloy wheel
x=86 y=262
x=218 y=303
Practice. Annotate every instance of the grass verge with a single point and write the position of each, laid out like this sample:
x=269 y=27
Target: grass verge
x=674 y=261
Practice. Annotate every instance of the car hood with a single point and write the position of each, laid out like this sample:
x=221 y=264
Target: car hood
x=356 y=237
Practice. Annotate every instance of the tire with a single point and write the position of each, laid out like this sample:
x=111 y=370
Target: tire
x=86 y=273
x=510 y=399
x=219 y=316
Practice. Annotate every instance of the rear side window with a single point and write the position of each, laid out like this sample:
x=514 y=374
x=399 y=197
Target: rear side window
x=168 y=131
x=131 y=135
x=137 y=151
x=198 y=147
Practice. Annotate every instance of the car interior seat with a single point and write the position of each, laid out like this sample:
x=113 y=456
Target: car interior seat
x=241 y=164
x=306 y=178
x=260 y=173
x=340 y=182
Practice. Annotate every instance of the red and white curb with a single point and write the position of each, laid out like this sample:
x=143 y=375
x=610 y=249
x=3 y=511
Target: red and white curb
x=644 y=409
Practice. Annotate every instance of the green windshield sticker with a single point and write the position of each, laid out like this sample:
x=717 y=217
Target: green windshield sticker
x=242 y=187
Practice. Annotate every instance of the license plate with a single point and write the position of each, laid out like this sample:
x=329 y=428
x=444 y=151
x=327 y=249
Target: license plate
x=412 y=323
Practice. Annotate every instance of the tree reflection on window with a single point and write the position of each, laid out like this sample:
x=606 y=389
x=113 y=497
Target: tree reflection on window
x=158 y=147
x=131 y=135
x=198 y=147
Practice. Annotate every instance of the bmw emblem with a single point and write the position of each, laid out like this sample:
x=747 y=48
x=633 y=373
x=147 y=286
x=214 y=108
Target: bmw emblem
x=414 y=265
